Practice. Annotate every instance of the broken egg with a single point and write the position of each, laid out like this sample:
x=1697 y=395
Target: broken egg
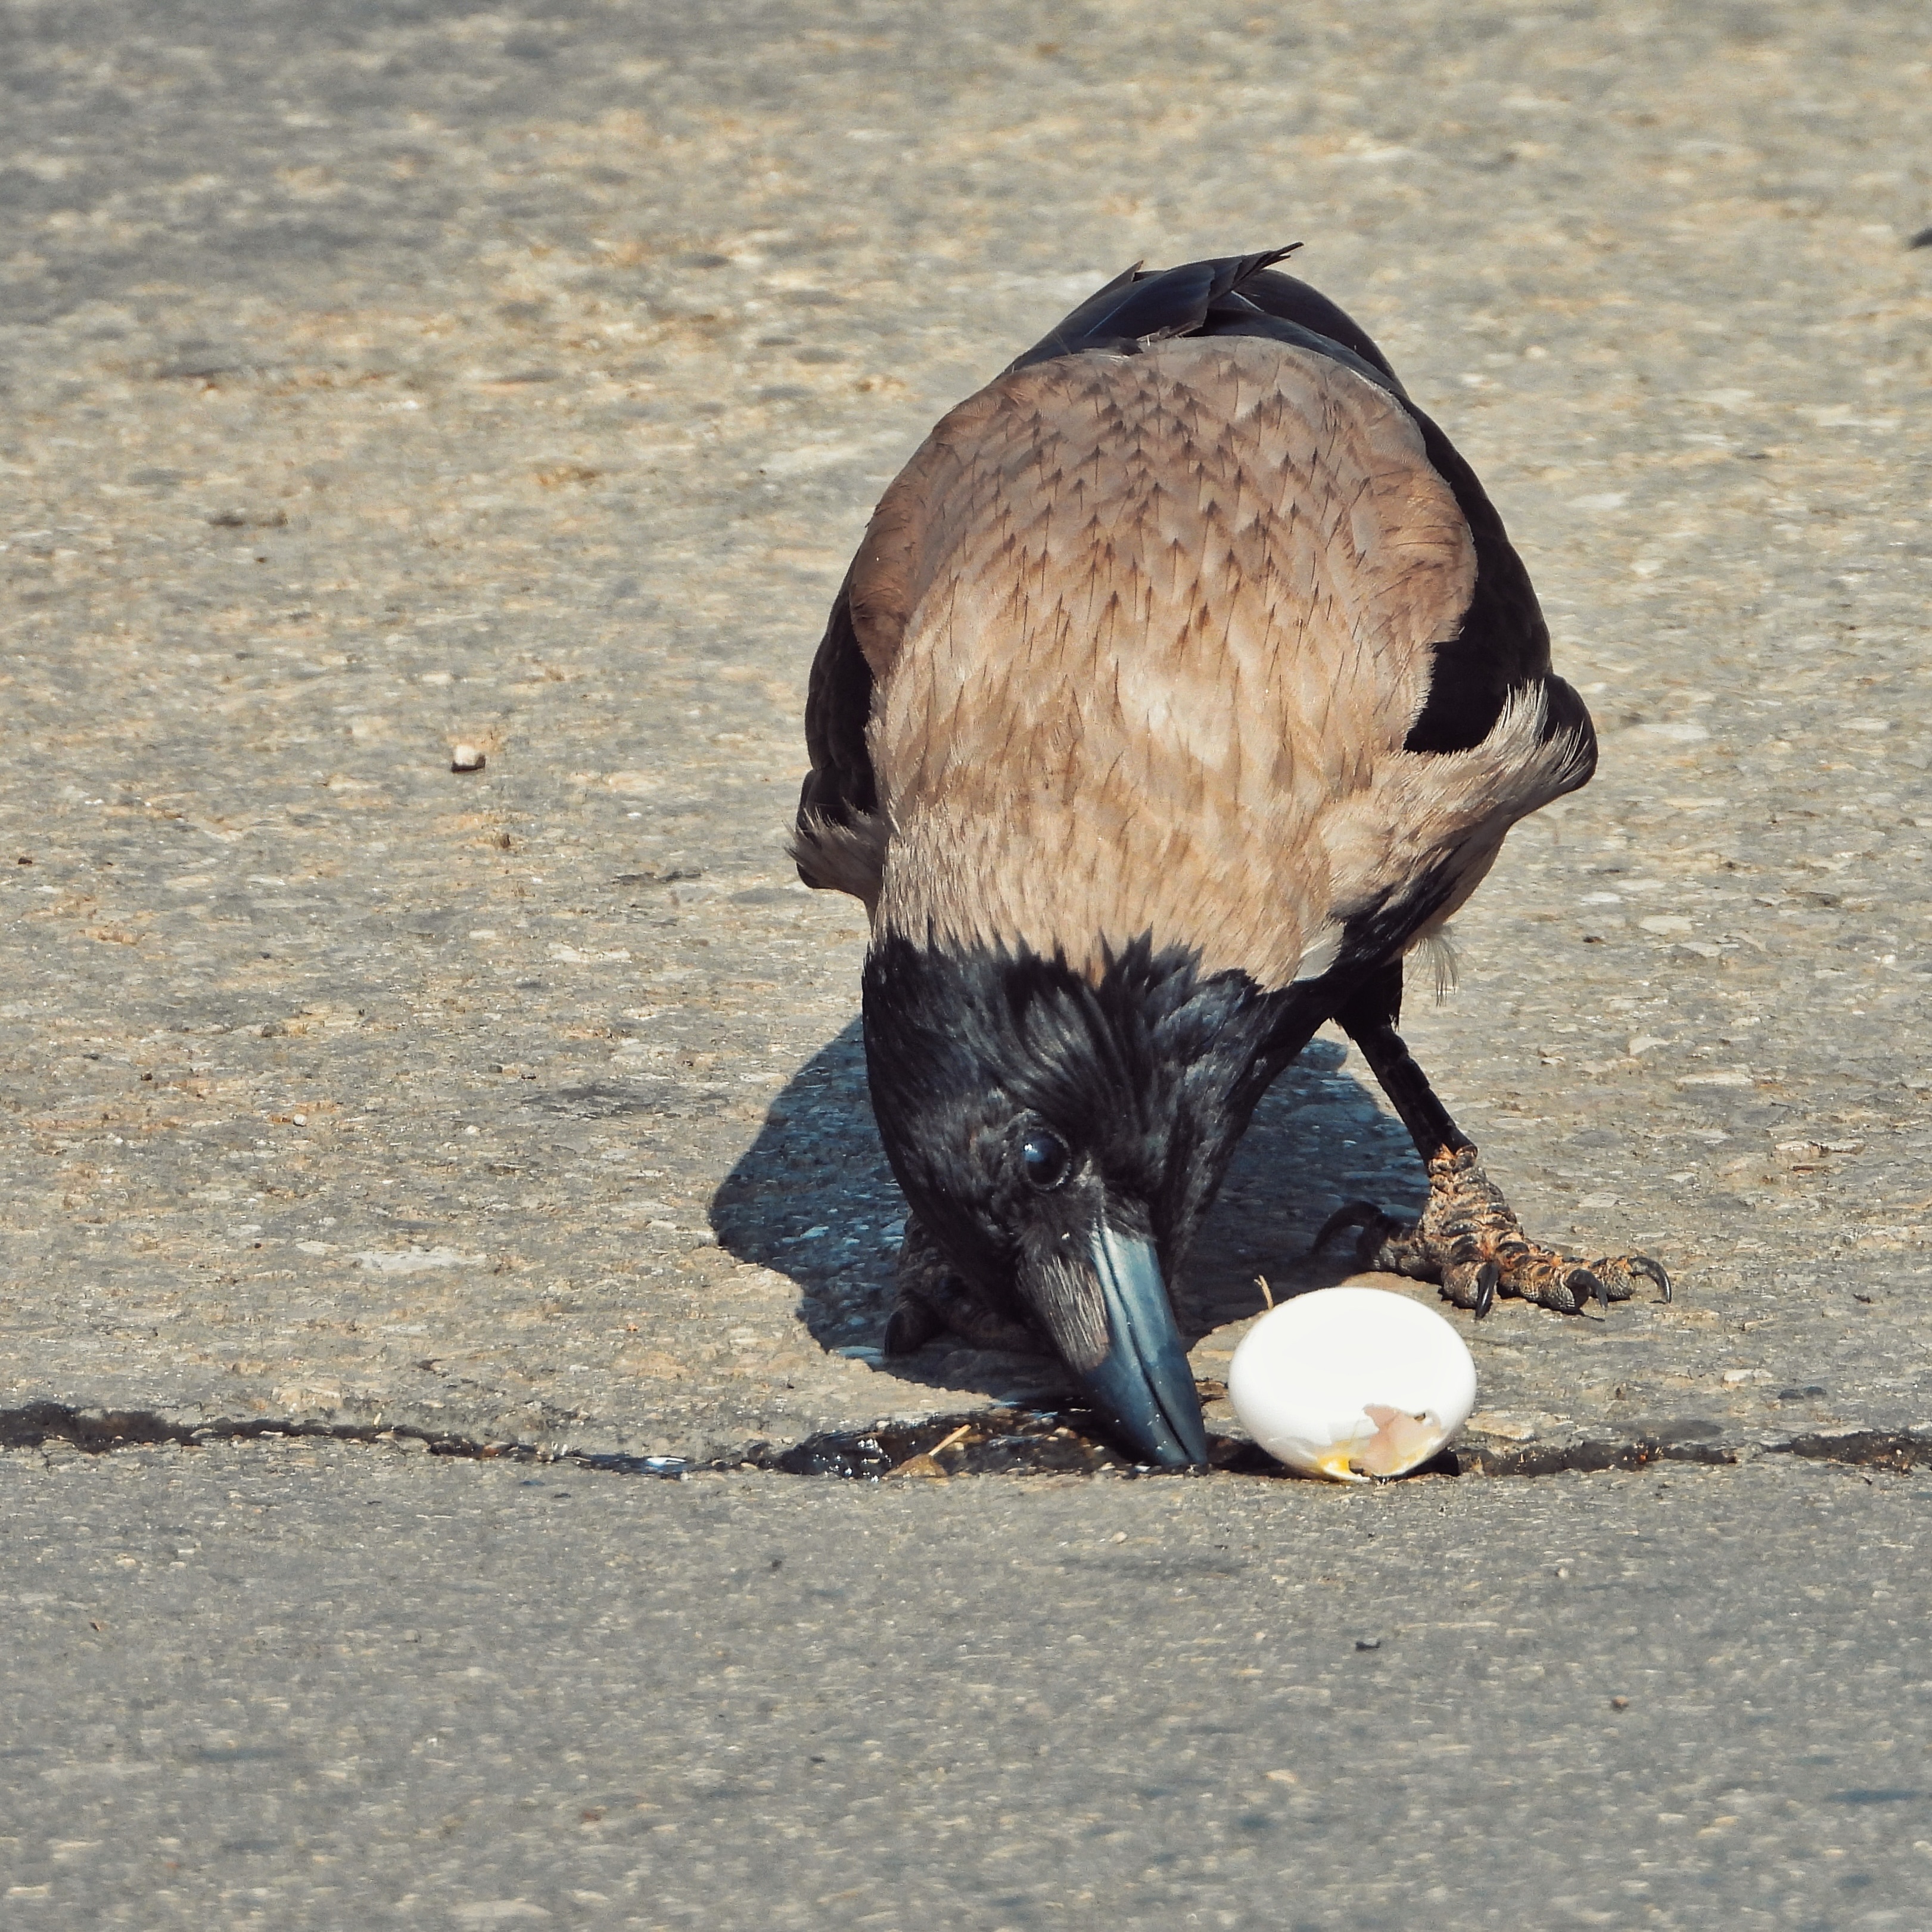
x=1352 y=1382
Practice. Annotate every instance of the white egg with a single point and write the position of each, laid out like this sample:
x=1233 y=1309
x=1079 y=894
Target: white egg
x=1352 y=1383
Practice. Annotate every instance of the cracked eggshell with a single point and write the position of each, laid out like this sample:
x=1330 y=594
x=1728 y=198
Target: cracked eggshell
x=1352 y=1382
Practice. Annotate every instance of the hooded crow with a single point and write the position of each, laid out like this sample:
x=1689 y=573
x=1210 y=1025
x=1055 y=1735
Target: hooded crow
x=1184 y=682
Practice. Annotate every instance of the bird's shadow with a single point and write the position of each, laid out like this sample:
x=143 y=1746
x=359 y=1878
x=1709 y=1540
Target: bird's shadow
x=813 y=1198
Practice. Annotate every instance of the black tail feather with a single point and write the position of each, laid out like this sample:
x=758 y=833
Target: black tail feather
x=1137 y=304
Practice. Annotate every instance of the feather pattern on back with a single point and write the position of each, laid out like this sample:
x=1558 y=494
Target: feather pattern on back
x=1146 y=634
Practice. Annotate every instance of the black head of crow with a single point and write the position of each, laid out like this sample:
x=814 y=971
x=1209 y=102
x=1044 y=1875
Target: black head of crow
x=1185 y=680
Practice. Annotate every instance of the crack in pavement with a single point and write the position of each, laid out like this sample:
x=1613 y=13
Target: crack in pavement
x=996 y=1441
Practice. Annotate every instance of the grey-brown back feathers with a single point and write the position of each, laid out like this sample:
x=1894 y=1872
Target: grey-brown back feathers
x=1146 y=634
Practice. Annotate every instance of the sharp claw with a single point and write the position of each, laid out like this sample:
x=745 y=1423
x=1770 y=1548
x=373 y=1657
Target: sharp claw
x=1487 y=1277
x=1581 y=1284
x=1650 y=1270
x=1352 y=1214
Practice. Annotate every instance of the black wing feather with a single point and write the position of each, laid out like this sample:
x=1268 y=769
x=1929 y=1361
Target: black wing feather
x=1137 y=305
x=1293 y=302
x=840 y=786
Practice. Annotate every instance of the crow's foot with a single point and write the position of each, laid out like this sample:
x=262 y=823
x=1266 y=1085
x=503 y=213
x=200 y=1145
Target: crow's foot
x=933 y=1301
x=1469 y=1240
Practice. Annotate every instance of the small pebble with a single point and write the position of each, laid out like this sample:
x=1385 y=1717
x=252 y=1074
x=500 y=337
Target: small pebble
x=466 y=758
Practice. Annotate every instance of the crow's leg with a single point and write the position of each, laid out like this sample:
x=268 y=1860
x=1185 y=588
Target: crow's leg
x=933 y=1301
x=1468 y=1239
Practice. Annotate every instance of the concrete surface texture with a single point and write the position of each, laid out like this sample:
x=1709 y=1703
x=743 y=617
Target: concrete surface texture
x=340 y=1687
x=382 y=377
x=379 y=378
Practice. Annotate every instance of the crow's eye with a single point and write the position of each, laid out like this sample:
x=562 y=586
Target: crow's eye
x=1045 y=1159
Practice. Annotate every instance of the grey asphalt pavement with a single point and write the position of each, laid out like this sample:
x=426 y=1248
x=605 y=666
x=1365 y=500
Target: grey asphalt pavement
x=338 y=1687
x=379 y=375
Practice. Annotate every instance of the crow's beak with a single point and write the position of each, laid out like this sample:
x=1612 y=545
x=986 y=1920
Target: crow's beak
x=1143 y=1384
